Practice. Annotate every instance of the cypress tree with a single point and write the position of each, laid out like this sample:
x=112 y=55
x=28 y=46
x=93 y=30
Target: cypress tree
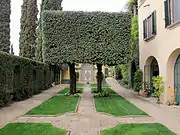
x=22 y=39
x=5 y=11
x=45 y=5
x=38 y=51
x=28 y=28
x=52 y=5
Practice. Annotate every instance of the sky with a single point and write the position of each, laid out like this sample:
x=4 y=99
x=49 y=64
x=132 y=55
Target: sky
x=68 y=5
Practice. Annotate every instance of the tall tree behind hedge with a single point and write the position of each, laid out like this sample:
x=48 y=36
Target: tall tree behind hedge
x=52 y=4
x=45 y=5
x=38 y=52
x=5 y=11
x=28 y=28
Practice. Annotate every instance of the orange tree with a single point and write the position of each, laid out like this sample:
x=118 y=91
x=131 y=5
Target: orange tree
x=86 y=37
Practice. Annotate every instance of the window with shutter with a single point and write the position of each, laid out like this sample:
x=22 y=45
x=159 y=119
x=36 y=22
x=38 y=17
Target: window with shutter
x=149 y=22
x=172 y=12
x=167 y=8
x=176 y=10
x=154 y=23
x=149 y=26
x=145 y=28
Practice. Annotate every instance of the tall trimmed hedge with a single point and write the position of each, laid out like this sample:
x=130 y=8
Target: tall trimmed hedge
x=5 y=11
x=21 y=78
x=86 y=37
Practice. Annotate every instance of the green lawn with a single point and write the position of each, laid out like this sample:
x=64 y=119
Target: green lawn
x=91 y=85
x=116 y=105
x=56 y=105
x=138 y=129
x=95 y=85
x=31 y=129
x=80 y=85
x=94 y=90
x=66 y=90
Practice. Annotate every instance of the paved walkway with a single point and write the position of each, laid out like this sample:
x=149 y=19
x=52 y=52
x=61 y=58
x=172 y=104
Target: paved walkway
x=85 y=121
x=8 y=114
x=166 y=115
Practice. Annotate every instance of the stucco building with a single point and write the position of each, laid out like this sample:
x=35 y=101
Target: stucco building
x=159 y=39
x=86 y=73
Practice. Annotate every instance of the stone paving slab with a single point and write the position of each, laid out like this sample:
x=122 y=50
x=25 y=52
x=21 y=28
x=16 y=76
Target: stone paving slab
x=146 y=119
x=8 y=114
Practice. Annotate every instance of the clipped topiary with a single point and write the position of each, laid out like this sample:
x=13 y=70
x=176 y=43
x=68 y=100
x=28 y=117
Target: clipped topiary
x=86 y=37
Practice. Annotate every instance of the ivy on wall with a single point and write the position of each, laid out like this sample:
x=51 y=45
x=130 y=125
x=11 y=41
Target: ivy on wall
x=5 y=11
x=86 y=37
x=135 y=41
x=133 y=63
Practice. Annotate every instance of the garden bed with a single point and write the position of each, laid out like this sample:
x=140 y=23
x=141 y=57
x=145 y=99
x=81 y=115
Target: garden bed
x=31 y=129
x=117 y=106
x=56 y=105
x=138 y=129
x=109 y=90
x=66 y=90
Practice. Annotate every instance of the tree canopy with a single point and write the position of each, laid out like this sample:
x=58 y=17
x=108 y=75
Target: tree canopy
x=86 y=37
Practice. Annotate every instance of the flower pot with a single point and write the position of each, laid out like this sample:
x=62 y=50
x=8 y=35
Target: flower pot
x=143 y=93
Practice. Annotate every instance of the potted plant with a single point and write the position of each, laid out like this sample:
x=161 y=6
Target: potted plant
x=158 y=85
x=145 y=92
x=138 y=80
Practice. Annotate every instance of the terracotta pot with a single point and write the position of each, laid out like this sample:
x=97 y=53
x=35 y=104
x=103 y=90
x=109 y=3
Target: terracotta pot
x=143 y=93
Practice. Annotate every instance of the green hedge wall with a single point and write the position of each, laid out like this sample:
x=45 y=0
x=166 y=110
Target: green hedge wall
x=86 y=37
x=5 y=11
x=20 y=78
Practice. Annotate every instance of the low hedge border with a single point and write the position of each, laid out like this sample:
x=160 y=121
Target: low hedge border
x=20 y=78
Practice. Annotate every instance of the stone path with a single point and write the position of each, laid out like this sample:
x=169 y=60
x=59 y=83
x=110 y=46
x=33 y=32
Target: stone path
x=85 y=121
x=8 y=114
x=166 y=115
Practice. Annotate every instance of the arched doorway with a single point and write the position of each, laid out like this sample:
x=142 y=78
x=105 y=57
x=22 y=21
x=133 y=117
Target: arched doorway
x=154 y=70
x=151 y=69
x=177 y=79
x=173 y=79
